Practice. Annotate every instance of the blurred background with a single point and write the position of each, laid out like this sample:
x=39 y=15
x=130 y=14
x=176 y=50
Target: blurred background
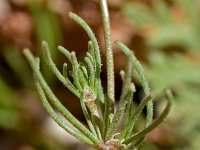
x=164 y=34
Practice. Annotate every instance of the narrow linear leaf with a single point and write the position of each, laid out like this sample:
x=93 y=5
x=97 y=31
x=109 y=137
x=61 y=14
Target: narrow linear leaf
x=142 y=78
x=156 y=122
x=57 y=119
x=128 y=129
x=57 y=73
x=91 y=35
x=126 y=88
x=65 y=52
x=75 y=75
x=91 y=72
x=56 y=102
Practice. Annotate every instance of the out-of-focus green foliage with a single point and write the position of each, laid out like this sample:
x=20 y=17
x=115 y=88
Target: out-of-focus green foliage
x=182 y=75
x=8 y=107
x=16 y=82
x=173 y=25
x=177 y=24
x=18 y=65
x=48 y=28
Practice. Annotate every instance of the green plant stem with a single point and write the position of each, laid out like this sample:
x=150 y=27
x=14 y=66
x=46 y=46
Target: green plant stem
x=90 y=99
x=56 y=102
x=155 y=123
x=87 y=117
x=109 y=55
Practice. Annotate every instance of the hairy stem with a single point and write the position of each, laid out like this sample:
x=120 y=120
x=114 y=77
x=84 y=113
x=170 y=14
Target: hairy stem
x=109 y=54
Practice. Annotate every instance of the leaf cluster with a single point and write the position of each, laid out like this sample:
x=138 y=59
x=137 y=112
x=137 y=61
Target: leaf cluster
x=101 y=116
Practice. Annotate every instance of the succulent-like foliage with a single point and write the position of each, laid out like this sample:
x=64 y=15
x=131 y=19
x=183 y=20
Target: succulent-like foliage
x=98 y=109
